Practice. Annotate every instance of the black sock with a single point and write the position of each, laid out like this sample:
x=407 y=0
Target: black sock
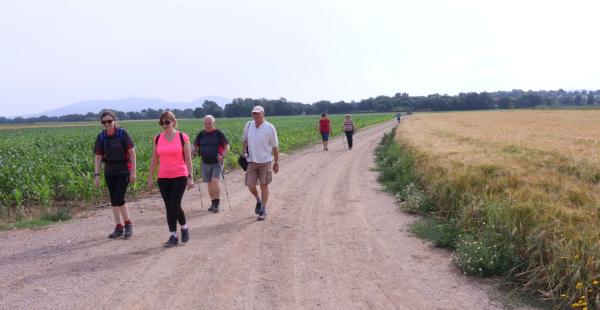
x=217 y=201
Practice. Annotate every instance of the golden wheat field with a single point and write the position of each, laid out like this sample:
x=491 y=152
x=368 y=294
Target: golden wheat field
x=541 y=167
x=553 y=153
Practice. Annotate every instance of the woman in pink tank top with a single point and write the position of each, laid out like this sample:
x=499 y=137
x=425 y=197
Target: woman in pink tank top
x=173 y=155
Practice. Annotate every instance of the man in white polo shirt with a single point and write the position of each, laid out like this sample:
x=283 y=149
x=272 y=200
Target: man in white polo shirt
x=260 y=141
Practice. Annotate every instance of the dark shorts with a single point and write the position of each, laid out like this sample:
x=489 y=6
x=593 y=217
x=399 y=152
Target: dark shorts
x=117 y=187
x=325 y=136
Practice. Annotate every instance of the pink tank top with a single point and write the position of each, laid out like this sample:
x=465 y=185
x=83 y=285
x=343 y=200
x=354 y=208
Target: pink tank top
x=170 y=157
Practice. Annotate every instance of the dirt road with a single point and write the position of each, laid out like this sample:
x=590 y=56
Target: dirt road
x=332 y=240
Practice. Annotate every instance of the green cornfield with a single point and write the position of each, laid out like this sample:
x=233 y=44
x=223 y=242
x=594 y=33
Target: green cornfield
x=42 y=165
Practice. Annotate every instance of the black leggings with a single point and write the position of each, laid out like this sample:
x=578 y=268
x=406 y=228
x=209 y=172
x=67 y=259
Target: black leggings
x=349 y=138
x=172 y=192
x=117 y=187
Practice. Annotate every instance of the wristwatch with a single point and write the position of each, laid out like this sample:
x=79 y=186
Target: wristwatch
x=189 y=176
x=96 y=174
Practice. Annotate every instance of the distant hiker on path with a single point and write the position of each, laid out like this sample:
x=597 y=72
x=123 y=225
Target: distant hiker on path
x=115 y=148
x=398 y=116
x=172 y=150
x=349 y=129
x=212 y=145
x=260 y=141
x=324 y=130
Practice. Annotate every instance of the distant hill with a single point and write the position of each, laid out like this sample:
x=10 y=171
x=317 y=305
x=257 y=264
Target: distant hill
x=133 y=104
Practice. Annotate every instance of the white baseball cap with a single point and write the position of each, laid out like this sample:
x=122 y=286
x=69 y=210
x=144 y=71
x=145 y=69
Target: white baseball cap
x=258 y=109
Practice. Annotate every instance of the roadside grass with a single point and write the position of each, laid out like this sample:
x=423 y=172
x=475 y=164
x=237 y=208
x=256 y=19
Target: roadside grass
x=514 y=193
x=35 y=222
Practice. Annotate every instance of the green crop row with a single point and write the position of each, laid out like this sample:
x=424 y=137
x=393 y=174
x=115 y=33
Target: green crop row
x=42 y=165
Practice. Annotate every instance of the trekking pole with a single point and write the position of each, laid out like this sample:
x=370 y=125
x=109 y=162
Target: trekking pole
x=225 y=185
x=199 y=189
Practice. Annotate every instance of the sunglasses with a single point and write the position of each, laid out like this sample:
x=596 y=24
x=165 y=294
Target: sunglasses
x=166 y=122
x=108 y=121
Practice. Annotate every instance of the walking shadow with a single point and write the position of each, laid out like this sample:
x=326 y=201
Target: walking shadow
x=103 y=262
x=235 y=226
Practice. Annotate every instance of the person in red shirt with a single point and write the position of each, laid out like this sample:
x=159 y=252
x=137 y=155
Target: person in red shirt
x=324 y=130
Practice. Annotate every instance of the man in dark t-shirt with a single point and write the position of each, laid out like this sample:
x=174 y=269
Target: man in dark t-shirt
x=212 y=146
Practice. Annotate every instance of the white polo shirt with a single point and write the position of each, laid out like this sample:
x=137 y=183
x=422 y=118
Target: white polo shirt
x=261 y=141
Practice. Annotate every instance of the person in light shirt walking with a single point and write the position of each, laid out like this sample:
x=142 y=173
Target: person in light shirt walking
x=262 y=153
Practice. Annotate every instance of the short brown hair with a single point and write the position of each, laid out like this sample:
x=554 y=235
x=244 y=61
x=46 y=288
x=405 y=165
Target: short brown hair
x=108 y=113
x=111 y=114
x=168 y=115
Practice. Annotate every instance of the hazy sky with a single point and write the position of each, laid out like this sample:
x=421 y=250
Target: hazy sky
x=58 y=52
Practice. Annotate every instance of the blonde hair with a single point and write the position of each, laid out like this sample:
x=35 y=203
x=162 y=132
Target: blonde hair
x=168 y=115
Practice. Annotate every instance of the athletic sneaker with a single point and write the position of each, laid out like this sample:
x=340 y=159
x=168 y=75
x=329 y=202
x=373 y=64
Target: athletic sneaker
x=117 y=233
x=262 y=216
x=257 y=208
x=185 y=235
x=216 y=209
x=173 y=241
x=128 y=230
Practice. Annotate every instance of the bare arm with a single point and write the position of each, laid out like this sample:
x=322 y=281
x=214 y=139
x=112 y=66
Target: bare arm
x=133 y=160
x=153 y=164
x=97 y=166
x=276 y=159
x=245 y=139
x=187 y=152
x=226 y=150
x=221 y=157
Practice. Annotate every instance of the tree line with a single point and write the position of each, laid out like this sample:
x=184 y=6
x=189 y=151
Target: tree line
x=400 y=102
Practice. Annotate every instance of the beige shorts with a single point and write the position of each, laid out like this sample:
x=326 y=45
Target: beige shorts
x=259 y=174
